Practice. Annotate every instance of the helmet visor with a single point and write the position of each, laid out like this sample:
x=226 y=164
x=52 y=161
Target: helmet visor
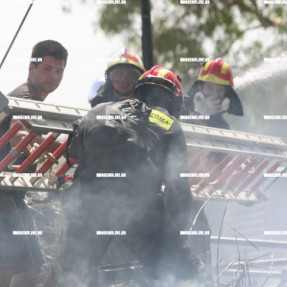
x=121 y=75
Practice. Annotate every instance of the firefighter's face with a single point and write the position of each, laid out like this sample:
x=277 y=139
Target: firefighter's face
x=124 y=87
x=124 y=79
x=209 y=89
x=48 y=74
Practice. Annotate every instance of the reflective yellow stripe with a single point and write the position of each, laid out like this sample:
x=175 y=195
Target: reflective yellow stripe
x=213 y=79
x=133 y=54
x=162 y=73
x=224 y=68
x=165 y=88
x=141 y=76
x=160 y=119
x=205 y=68
x=124 y=60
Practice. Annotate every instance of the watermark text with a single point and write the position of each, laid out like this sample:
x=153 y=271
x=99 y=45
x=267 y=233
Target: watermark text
x=111 y=174
x=275 y=232
x=27 y=232
x=194 y=232
x=194 y=2
x=111 y=117
x=194 y=117
x=111 y=232
x=111 y=2
x=27 y=117
x=36 y=60
x=194 y=174
x=275 y=174
x=194 y=60
x=278 y=2
x=27 y=174
x=275 y=117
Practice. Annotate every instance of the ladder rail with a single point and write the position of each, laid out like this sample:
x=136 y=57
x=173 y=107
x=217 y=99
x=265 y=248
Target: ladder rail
x=235 y=160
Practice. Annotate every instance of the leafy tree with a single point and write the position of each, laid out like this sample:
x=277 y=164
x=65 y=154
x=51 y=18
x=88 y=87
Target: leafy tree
x=220 y=28
x=217 y=29
x=223 y=28
x=229 y=29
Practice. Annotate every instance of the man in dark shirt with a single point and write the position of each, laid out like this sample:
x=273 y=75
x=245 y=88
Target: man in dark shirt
x=20 y=255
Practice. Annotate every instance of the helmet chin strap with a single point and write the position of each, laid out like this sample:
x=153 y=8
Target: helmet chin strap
x=119 y=94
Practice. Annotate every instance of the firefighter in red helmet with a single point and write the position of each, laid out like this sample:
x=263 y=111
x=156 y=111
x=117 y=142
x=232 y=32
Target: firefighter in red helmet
x=141 y=139
x=210 y=96
x=213 y=94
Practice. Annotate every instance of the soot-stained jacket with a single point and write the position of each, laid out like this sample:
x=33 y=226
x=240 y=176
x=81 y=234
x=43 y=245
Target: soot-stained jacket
x=144 y=143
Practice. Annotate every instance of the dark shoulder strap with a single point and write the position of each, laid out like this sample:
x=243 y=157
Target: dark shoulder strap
x=73 y=137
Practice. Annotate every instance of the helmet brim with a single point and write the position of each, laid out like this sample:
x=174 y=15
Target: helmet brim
x=127 y=65
x=235 y=107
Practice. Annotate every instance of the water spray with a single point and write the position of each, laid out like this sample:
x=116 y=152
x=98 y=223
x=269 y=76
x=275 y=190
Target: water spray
x=270 y=68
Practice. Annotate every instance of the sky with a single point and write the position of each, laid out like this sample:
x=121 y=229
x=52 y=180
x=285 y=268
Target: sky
x=88 y=49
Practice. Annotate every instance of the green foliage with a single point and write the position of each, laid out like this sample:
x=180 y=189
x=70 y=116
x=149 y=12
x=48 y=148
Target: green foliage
x=183 y=30
x=226 y=28
x=118 y=18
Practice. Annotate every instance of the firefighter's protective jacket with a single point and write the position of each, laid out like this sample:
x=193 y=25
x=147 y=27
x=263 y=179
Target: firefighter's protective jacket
x=140 y=147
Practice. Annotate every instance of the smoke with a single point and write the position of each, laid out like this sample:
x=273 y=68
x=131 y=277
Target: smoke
x=123 y=163
x=126 y=204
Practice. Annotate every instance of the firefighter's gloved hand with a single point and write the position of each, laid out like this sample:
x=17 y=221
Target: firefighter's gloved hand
x=225 y=105
x=210 y=105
